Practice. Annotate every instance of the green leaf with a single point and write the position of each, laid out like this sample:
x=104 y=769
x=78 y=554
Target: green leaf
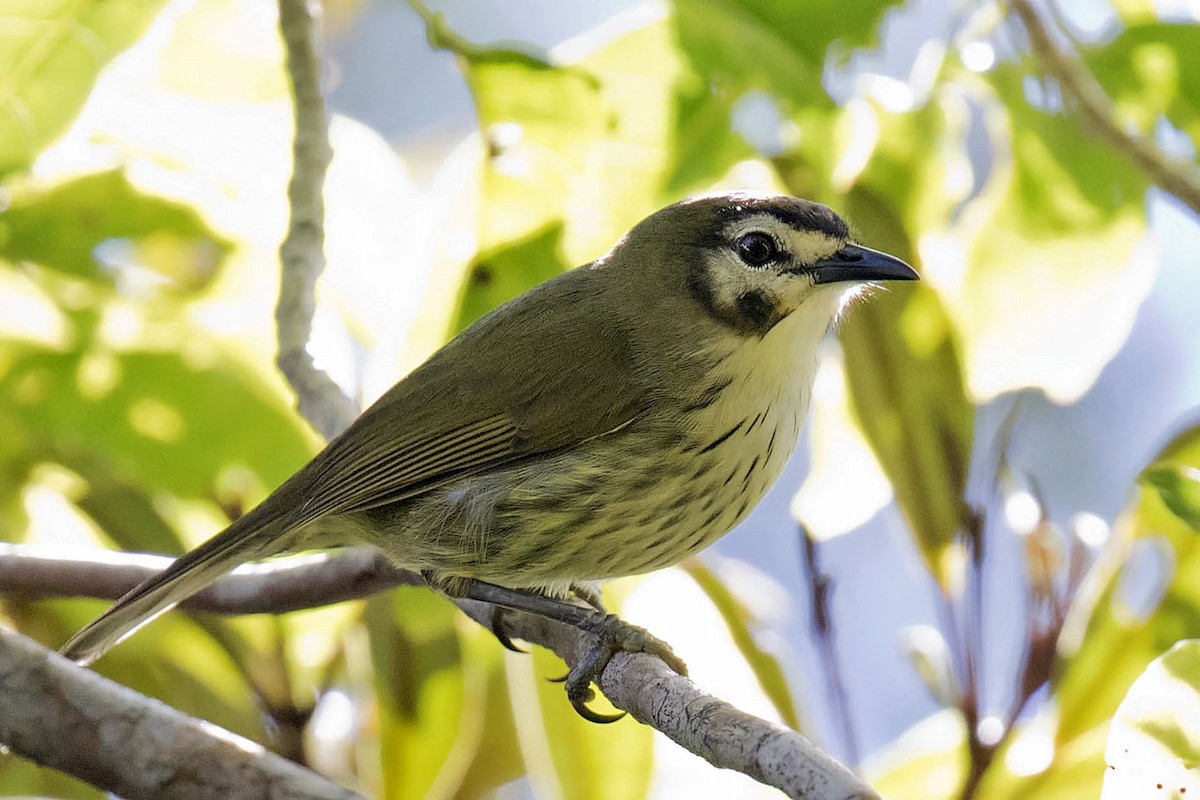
x=1152 y=71
x=565 y=755
x=63 y=226
x=419 y=679
x=927 y=762
x=906 y=385
x=1179 y=486
x=50 y=55
x=1047 y=269
x=765 y=666
x=163 y=423
x=1154 y=743
x=502 y=274
x=1105 y=646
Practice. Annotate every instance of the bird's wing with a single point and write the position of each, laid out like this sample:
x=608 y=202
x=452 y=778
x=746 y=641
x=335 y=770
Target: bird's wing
x=542 y=374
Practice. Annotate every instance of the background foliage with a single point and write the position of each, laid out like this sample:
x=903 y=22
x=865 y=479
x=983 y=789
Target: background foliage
x=143 y=199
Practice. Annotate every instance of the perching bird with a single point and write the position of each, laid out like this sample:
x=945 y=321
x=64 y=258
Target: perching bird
x=611 y=421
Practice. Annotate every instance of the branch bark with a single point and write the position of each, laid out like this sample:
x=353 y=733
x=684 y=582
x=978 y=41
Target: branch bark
x=1180 y=178
x=273 y=587
x=642 y=685
x=302 y=253
x=62 y=716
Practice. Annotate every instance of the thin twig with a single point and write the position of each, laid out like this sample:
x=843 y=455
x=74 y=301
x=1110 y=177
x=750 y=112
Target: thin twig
x=1180 y=178
x=820 y=586
x=273 y=587
x=72 y=719
x=302 y=255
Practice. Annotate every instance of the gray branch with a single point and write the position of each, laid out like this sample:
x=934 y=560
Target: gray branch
x=62 y=716
x=640 y=684
x=302 y=254
x=273 y=587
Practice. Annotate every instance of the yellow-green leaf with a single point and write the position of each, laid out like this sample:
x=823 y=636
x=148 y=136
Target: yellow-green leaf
x=50 y=54
x=1154 y=743
x=737 y=617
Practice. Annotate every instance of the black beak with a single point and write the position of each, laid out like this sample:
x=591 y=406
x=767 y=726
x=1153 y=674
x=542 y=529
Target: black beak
x=857 y=263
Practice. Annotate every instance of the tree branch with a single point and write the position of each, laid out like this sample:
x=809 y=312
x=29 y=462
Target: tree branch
x=640 y=684
x=62 y=716
x=273 y=587
x=302 y=255
x=1180 y=178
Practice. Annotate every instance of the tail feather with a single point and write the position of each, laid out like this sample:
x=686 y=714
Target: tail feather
x=255 y=535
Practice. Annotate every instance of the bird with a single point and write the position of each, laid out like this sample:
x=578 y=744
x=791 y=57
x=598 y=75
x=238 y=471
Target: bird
x=611 y=421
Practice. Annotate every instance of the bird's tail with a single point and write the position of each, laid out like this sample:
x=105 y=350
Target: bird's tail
x=257 y=534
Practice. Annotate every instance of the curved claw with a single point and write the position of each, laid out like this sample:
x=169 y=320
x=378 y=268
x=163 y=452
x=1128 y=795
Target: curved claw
x=580 y=706
x=497 y=627
x=563 y=679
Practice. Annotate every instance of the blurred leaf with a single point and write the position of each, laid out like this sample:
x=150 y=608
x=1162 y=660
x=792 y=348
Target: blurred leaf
x=927 y=762
x=24 y=780
x=495 y=757
x=1152 y=71
x=52 y=51
x=419 y=679
x=565 y=755
x=69 y=226
x=1105 y=644
x=1180 y=490
x=845 y=485
x=506 y=272
x=584 y=145
x=163 y=423
x=1051 y=268
x=765 y=666
x=907 y=388
x=1154 y=743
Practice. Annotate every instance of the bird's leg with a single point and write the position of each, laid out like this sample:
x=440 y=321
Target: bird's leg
x=590 y=594
x=614 y=635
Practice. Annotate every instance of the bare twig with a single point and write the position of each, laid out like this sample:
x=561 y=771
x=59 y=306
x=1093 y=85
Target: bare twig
x=302 y=256
x=820 y=587
x=1180 y=178
x=274 y=587
x=72 y=719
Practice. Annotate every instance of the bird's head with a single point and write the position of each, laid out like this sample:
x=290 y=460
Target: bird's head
x=750 y=260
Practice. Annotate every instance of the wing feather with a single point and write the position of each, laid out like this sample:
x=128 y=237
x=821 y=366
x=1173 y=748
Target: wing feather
x=544 y=373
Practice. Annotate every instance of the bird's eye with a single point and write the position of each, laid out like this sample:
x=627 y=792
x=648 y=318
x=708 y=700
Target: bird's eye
x=756 y=249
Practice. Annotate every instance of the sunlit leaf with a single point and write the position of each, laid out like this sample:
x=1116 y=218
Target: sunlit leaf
x=71 y=227
x=845 y=485
x=502 y=274
x=927 y=762
x=164 y=423
x=738 y=618
x=1180 y=490
x=1109 y=639
x=1152 y=71
x=1154 y=743
x=1046 y=272
x=565 y=755
x=906 y=384
x=50 y=54
x=421 y=691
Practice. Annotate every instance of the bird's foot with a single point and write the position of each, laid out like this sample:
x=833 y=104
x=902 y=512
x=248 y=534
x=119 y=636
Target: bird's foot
x=613 y=635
